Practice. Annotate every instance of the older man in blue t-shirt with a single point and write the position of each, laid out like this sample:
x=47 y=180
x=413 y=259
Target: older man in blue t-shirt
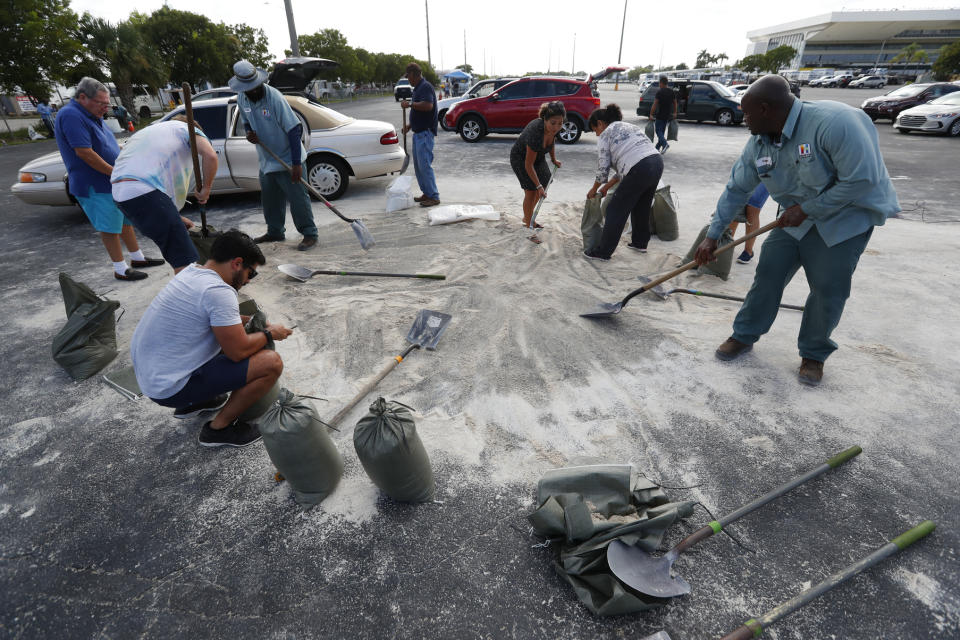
x=423 y=122
x=89 y=150
x=270 y=122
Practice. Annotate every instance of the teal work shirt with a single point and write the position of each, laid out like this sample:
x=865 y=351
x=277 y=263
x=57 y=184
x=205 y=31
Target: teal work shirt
x=270 y=118
x=827 y=161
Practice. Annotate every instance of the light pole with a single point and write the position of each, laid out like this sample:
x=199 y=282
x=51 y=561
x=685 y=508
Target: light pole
x=623 y=26
x=294 y=45
x=426 y=8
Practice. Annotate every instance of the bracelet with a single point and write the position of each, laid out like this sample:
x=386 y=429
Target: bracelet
x=539 y=186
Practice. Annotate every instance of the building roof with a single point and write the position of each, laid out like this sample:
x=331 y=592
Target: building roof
x=850 y=26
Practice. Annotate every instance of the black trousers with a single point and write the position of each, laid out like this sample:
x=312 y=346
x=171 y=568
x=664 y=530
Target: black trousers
x=633 y=197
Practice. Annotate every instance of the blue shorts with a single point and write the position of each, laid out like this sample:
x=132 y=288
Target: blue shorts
x=218 y=375
x=102 y=212
x=758 y=197
x=156 y=217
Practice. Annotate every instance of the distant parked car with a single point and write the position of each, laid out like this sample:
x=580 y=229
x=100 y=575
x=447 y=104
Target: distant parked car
x=479 y=90
x=872 y=82
x=402 y=90
x=698 y=100
x=209 y=94
x=941 y=115
x=892 y=103
x=738 y=89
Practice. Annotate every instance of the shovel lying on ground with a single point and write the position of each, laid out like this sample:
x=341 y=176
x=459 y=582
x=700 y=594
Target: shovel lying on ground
x=533 y=218
x=406 y=156
x=425 y=333
x=363 y=234
x=755 y=626
x=303 y=273
x=660 y=293
x=606 y=309
x=649 y=575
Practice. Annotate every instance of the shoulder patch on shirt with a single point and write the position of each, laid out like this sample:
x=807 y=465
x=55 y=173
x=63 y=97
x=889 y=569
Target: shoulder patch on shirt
x=805 y=150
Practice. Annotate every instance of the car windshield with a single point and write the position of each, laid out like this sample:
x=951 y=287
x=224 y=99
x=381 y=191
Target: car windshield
x=950 y=98
x=906 y=92
x=403 y=81
x=722 y=90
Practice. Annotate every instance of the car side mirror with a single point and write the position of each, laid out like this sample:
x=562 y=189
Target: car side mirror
x=494 y=97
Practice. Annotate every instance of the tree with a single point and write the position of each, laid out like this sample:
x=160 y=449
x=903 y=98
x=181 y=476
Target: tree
x=720 y=57
x=635 y=73
x=682 y=66
x=751 y=63
x=775 y=59
x=948 y=61
x=466 y=68
x=911 y=54
x=195 y=48
x=39 y=45
x=704 y=59
x=249 y=43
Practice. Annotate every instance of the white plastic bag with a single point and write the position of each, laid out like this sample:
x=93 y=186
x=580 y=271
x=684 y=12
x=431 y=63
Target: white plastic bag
x=459 y=212
x=400 y=194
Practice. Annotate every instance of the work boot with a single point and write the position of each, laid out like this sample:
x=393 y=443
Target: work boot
x=267 y=238
x=419 y=198
x=429 y=202
x=307 y=243
x=811 y=372
x=732 y=349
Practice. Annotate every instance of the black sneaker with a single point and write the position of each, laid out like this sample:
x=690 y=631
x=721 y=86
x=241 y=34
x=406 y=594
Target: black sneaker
x=637 y=247
x=268 y=238
x=593 y=255
x=200 y=407
x=237 y=434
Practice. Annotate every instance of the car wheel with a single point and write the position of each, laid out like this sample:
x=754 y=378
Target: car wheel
x=144 y=112
x=328 y=175
x=571 y=131
x=725 y=117
x=954 y=129
x=440 y=116
x=472 y=129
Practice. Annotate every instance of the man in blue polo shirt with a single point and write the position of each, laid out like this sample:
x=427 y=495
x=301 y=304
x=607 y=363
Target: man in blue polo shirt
x=423 y=122
x=89 y=150
x=271 y=122
x=821 y=162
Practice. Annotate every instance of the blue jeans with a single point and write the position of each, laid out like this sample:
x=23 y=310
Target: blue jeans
x=276 y=189
x=422 y=159
x=661 y=128
x=828 y=270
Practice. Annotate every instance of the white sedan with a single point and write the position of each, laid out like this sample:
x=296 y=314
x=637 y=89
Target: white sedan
x=941 y=115
x=337 y=147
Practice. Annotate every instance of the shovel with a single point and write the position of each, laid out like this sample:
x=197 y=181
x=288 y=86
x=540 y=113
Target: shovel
x=406 y=156
x=755 y=626
x=425 y=333
x=188 y=108
x=363 y=234
x=303 y=273
x=607 y=309
x=649 y=575
x=660 y=293
x=533 y=218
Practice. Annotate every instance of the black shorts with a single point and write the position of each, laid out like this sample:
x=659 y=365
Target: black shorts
x=218 y=375
x=155 y=216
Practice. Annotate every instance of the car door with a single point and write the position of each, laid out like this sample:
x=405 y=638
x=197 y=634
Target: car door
x=242 y=158
x=699 y=104
x=504 y=105
x=214 y=119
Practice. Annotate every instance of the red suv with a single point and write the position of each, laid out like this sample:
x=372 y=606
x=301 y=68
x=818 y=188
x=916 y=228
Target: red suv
x=511 y=107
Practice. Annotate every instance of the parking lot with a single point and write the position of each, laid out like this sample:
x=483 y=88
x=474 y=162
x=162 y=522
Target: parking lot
x=115 y=524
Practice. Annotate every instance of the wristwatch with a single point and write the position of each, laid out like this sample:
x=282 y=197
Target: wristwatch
x=269 y=335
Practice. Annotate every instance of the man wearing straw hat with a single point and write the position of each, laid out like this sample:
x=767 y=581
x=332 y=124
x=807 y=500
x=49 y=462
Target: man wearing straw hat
x=271 y=122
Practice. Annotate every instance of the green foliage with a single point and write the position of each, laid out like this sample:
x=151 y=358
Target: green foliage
x=39 y=45
x=682 y=66
x=775 y=59
x=947 y=63
x=635 y=73
x=911 y=53
x=249 y=43
x=707 y=59
x=195 y=48
x=358 y=65
x=466 y=68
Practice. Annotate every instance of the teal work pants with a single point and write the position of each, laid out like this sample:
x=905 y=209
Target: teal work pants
x=276 y=189
x=829 y=271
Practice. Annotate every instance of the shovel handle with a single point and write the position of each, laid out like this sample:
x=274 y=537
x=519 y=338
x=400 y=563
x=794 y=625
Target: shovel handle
x=536 y=210
x=721 y=296
x=316 y=194
x=717 y=525
x=404 y=129
x=188 y=110
x=693 y=263
x=425 y=276
x=367 y=388
x=755 y=626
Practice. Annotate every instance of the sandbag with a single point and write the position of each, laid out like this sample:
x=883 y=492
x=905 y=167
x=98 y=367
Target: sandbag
x=663 y=215
x=300 y=448
x=724 y=262
x=591 y=224
x=258 y=322
x=400 y=194
x=88 y=341
x=449 y=213
x=392 y=454
x=203 y=243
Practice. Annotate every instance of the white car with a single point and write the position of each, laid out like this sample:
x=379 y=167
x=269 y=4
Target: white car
x=941 y=115
x=338 y=147
x=479 y=90
x=872 y=82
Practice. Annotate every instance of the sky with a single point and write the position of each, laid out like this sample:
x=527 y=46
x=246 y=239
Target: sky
x=513 y=37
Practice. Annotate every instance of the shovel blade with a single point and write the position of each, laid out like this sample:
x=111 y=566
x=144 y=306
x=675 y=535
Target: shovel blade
x=427 y=328
x=659 y=635
x=296 y=272
x=657 y=290
x=603 y=310
x=406 y=162
x=641 y=571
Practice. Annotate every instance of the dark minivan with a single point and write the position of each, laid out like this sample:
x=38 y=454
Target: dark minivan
x=698 y=100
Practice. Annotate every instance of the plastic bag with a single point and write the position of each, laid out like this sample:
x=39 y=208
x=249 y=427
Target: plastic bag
x=300 y=448
x=400 y=194
x=459 y=212
x=88 y=341
x=663 y=215
x=724 y=262
x=392 y=454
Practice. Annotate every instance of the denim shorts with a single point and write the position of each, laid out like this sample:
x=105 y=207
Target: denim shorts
x=218 y=375
x=156 y=217
x=759 y=196
x=102 y=212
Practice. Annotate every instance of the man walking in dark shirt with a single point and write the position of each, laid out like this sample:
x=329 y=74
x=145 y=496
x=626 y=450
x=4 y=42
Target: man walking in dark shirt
x=664 y=109
x=423 y=121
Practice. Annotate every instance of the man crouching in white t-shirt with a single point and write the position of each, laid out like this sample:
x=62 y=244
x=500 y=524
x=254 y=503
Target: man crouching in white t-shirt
x=190 y=348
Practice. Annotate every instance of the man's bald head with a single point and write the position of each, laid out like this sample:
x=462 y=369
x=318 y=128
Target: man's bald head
x=766 y=104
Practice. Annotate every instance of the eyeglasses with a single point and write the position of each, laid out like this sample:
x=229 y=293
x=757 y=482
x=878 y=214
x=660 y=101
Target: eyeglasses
x=102 y=103
x=253 y=272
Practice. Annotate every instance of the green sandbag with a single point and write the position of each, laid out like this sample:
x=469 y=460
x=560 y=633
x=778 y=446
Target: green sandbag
x=591 y=224
x=724 y=262
x=203 y=244
x=663 y=216
x=392 y=454
x=88 y=341
x=258 y=322
x=300 y=448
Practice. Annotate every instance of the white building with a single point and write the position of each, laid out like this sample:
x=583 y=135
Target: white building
x=861 y=39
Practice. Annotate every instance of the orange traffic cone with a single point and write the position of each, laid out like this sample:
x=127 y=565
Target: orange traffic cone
x=130 y=126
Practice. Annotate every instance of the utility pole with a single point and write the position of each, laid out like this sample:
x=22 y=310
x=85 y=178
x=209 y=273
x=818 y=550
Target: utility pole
x=426 y=8
x=623 y=27
x=573 y=59
x=464 y=46
x=484 y=61
x=549 y=56
x=294 y=45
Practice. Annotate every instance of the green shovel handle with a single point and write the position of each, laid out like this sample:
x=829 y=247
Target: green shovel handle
x=922 y=530
x=844 y=456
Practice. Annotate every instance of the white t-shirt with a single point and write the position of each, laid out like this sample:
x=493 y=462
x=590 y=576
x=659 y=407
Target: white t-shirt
x=157 y=157
x=174 y=338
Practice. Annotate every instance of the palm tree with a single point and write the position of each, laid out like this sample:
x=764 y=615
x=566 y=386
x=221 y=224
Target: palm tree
x=911 y=54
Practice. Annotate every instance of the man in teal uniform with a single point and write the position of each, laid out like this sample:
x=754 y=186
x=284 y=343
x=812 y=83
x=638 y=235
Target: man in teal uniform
x=821 y=162
x=270 y=121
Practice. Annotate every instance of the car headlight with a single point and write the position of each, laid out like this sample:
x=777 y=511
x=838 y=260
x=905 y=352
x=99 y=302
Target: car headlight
x=944 y=115
x=26 y=176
